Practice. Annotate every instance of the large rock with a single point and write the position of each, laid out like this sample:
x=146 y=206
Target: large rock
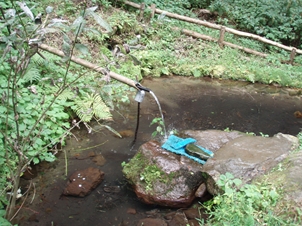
x=82 y=182
x=163 y=178
x=247 y=157
x=212 y=139
x=289 y=177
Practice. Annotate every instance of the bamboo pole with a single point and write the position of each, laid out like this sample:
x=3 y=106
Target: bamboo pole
x=218 y=27
x=92 y=66
x=209 y=38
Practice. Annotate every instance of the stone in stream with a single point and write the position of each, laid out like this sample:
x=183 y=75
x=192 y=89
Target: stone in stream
x=164 y=178
x=82 y=182
x=247 y=157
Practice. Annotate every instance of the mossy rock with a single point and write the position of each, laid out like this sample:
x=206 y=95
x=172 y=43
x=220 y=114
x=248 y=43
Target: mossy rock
x=163 y=178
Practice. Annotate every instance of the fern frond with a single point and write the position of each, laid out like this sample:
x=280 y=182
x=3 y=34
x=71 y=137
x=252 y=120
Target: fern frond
x=67 y=94
x=48 y=57
x=100 y=109
x=90 y=106
x=32 y=74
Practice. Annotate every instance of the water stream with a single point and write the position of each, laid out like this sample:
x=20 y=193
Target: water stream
x=161 y=113
x=185 y=103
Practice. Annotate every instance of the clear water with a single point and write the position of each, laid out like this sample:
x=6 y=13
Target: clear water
x=161 y=113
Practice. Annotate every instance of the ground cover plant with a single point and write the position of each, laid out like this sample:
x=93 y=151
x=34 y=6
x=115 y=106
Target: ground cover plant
x=278 y=21
x=43 y=97
x=247 y=204
x=40 y=99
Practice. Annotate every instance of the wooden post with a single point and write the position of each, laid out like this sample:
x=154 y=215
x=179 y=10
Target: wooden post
x=221 y=37
x=153 y=8
x=141 y=13
x=292 y=56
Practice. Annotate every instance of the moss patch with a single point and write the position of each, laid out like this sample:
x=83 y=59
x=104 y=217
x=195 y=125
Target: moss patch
x=139 y=170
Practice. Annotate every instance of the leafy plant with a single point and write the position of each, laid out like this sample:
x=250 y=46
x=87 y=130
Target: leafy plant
x=159 y=128
x=33 y=116
x=172 y=6
x=150 y=174
x=92 y=105
x=244 y=204
x=279 y=21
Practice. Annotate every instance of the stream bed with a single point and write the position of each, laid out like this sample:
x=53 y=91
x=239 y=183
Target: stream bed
x=187 y=103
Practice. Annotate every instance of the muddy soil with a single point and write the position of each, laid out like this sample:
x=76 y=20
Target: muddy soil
x=187 y=103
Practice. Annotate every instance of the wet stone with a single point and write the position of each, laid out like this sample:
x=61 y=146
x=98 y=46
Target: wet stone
x=131 y=211
x=112 y=189
x=151 y=222
x=179 y=218
x=193 y=222
x=192 y=213
x=99 y=160
x=212 y=139
x=163 y=178
x=82 y=182
x=247 y=157
x=202 y=189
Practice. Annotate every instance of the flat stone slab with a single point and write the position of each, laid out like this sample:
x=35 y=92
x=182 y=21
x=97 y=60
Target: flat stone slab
x=212 y=139
x=247 y=157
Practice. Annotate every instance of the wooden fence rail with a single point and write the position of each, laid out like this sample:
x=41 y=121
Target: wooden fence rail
x=222 y=30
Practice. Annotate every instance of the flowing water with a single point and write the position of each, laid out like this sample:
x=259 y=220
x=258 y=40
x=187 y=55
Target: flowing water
x=186 y=103
x=161 y=113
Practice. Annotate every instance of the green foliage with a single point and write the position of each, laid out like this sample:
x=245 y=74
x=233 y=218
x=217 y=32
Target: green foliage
x=123 y=22
x=300 y=141
x=177 y=6
x=37 y=92
x=67 y=7
x=6 y=4
x=139 y=169
x=150 y=174
x=244 y=204
x=91 y=105
x=103 y=3
x=159 y=128
x=276 y=20
x=201 y=4
x=3 y=221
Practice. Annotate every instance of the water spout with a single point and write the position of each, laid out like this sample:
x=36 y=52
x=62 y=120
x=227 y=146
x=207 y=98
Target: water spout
x=161 y=113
